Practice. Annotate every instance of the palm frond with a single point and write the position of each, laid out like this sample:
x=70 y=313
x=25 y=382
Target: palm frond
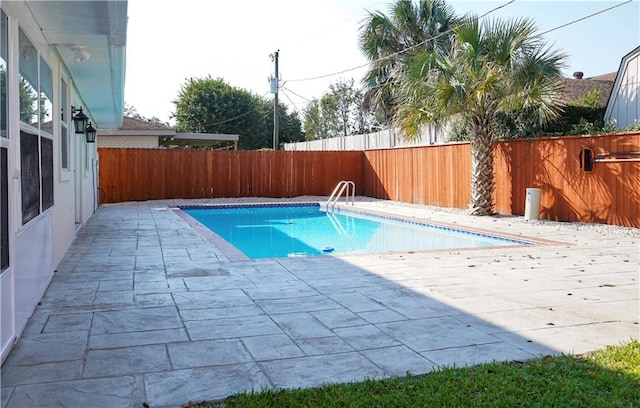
x=387 y=40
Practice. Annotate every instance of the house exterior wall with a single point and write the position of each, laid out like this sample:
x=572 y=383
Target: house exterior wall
x=143 y=142
x=624 y=104
x=65 y=193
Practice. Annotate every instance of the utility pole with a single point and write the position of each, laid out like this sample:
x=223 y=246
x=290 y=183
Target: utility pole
x=274 y=89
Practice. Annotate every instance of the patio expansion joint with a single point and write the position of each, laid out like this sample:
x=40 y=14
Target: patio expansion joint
x=182 y=321
x=562 y=326
x=497 y=341
x=85 y=353
x=157 y=230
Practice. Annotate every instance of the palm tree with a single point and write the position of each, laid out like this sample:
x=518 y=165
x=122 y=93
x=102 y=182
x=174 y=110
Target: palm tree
x=385 y=40
x=492 y=68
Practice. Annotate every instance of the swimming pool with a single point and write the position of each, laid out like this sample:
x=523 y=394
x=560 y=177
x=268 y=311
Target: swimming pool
x=276 y=230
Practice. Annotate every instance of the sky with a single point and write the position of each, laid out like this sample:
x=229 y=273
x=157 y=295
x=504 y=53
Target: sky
x=169 y=42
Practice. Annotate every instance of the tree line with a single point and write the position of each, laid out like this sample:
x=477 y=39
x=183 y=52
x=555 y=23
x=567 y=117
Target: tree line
x=489 y=77
x=207 y=105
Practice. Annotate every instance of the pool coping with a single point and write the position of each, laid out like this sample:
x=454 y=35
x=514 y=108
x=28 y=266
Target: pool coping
x=233 y=254
x=454 y=227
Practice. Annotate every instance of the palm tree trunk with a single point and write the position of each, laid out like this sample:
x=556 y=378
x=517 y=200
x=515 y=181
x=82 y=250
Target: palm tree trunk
x=482 y=179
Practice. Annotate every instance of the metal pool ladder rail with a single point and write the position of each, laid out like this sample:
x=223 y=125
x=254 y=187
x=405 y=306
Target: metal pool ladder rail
x=346 y=187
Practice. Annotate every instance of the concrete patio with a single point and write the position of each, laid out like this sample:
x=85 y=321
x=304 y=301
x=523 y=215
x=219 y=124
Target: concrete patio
x=143 y=308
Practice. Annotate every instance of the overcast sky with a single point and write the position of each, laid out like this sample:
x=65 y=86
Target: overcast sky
x=169 y=42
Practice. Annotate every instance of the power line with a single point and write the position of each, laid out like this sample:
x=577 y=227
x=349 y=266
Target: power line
x=446 y=32
x=326 y=30
x=235 y=117
x=405 y=50
x=395 y=53
x=231 y=119
x=298 y=95
x=585 y=17
x=331 y=74
x=294 y=105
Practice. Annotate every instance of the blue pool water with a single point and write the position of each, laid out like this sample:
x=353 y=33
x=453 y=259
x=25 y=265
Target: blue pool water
x=275 y=231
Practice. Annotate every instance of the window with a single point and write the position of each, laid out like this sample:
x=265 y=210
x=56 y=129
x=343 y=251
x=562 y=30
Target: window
x=46 y=96
x=46 y=134
x=4 y=32
x=36 y=140
x=46 y=172
x=64 y=138
x=4 y=210
x=28 y=72
x=4 y=148
x=30 y=175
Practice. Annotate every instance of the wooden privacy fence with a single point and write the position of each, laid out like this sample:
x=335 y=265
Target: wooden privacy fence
x=610 y=194
x=433 y=175
x=441 y=175
x=149 y=174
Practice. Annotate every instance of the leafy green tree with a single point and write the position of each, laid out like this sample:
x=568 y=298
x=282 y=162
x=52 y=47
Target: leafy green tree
x=588 y=100
x=337 y=113
x=207 y=105
x=498 y=67
x=314 y=126
x=289 y=125
x=346 y=103
x=582 y=117
x=386 y=39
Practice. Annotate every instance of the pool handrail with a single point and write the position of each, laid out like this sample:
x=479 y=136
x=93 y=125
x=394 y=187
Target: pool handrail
x=344 y=186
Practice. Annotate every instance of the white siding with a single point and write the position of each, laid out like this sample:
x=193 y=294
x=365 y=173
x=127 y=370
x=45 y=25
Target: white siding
x=624 y=104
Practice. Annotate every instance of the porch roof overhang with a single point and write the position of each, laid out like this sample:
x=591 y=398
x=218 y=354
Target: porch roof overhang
x=99 y=28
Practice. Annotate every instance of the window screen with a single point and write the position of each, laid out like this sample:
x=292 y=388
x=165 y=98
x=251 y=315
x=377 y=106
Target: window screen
x=4 y=211
x=46 y=164
x=30 y=176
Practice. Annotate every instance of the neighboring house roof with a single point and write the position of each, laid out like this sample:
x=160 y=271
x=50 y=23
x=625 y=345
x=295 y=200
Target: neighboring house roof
x=138 y=127
x=576 y=88
x=129 y=123
x=611 y=76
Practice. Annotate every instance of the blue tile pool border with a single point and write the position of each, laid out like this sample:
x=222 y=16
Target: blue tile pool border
x=234 y=253
x=246 y=205
x=438 y=226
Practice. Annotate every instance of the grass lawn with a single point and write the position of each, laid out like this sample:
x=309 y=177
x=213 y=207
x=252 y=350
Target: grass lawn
x=607 y=378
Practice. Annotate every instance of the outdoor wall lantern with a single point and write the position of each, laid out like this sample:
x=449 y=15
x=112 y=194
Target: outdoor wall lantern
x=80 y=120
x=90 y=133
